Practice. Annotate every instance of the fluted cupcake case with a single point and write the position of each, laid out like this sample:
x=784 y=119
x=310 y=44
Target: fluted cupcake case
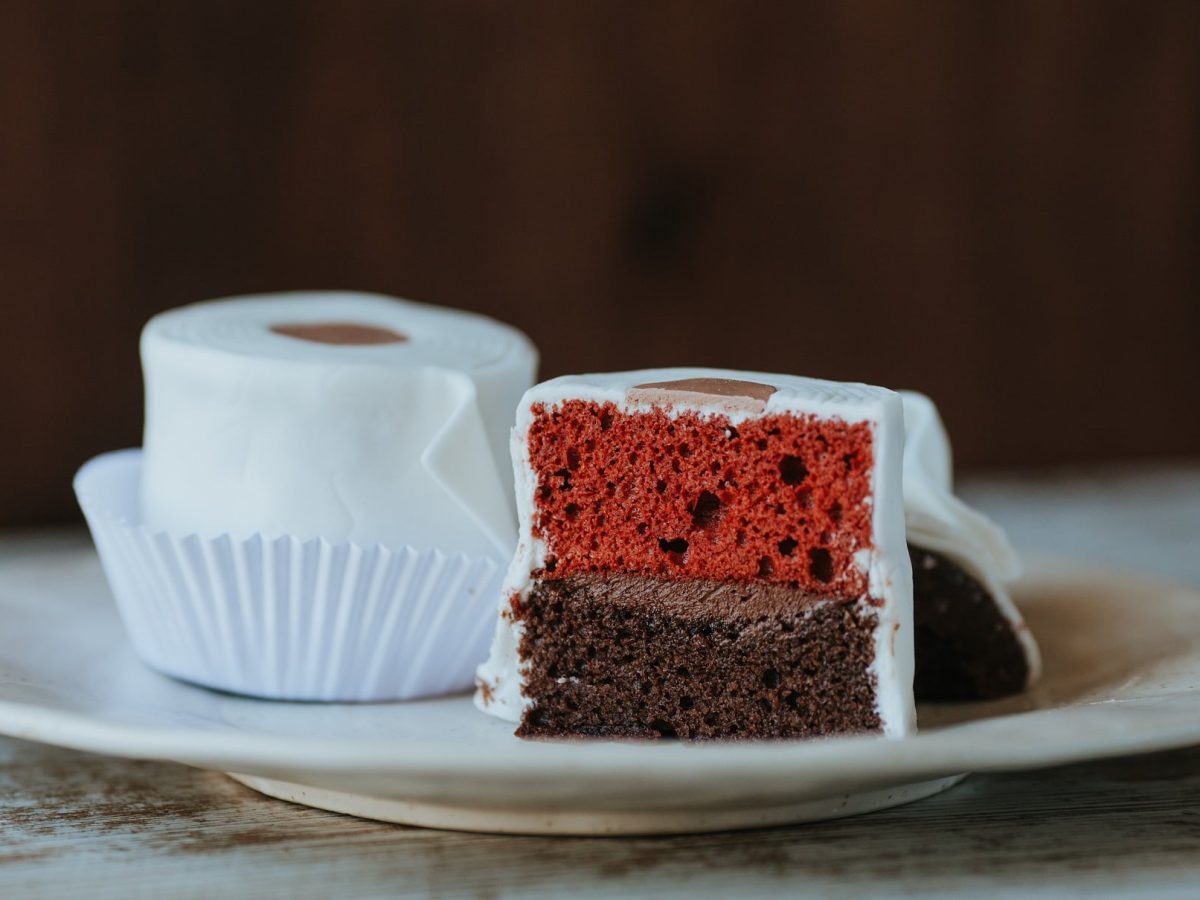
x=284 y=618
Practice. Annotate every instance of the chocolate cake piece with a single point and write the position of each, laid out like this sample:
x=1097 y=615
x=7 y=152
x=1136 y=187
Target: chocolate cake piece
x=971 y=641
x=966 y=649
x=706 y=554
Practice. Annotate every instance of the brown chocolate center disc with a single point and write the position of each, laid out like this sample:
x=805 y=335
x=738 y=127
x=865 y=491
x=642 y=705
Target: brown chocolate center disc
x=714 y=387
x=733 y=395
x=345 y=333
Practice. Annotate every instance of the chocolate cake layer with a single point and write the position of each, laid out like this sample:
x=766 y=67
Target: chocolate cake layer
x=965 y=648
x=632 y=656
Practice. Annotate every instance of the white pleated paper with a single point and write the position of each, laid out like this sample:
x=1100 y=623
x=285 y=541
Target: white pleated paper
x=283 y=618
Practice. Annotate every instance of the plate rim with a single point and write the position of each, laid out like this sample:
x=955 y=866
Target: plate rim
x=933 y=753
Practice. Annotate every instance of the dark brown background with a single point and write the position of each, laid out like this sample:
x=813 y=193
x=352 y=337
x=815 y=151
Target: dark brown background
x=996 y=203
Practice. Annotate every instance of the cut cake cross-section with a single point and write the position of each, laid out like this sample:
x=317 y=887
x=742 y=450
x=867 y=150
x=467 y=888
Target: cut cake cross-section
x=706 y=554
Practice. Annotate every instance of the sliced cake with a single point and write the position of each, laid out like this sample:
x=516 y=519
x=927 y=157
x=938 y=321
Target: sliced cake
x=971 y=641
x=706 y=554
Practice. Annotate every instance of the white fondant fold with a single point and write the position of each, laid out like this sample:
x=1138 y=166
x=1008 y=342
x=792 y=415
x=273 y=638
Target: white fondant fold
x=454 y=461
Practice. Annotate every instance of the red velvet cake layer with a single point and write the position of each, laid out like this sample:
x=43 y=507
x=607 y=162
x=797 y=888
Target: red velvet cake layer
x=780 y=498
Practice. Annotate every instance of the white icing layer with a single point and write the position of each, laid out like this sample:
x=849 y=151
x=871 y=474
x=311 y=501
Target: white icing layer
x=401 y=444
x=887 y=563
x=939 y=521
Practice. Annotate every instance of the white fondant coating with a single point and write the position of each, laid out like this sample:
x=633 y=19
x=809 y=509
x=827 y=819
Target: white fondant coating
x=939 y=521
x=401 y=444
x=887 y=563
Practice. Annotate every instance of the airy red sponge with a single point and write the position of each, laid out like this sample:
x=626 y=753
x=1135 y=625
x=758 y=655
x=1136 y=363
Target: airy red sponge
x=781 y=498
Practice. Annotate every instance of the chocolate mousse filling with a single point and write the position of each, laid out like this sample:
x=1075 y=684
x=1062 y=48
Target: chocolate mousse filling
x=632 y=656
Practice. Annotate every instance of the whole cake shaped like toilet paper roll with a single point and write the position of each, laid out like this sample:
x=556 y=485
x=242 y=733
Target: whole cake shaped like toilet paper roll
x=343 y=416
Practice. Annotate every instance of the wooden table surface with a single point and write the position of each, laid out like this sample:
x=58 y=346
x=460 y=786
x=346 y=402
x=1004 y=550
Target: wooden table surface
x=75 y=824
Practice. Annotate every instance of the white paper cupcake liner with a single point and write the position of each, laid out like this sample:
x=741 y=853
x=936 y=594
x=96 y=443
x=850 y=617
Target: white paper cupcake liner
x=283 y=618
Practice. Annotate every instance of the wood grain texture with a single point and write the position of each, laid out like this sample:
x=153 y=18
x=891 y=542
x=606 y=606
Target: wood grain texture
x=82 y=825
x=996 y=203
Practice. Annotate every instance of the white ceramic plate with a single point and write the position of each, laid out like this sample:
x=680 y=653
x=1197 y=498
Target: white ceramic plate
x=1122 y=658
